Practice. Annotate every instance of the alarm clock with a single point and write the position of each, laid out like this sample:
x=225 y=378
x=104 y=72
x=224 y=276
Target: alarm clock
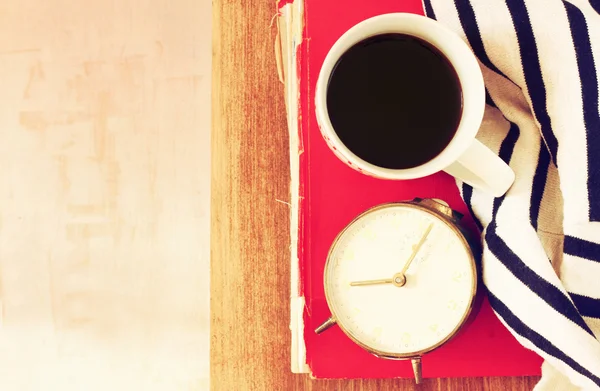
x=402 y=279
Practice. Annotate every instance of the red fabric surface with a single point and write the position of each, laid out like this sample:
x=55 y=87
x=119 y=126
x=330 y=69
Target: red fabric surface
x=334 y=194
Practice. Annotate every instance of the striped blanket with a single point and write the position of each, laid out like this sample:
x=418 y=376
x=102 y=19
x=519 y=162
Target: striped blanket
x=541 y=261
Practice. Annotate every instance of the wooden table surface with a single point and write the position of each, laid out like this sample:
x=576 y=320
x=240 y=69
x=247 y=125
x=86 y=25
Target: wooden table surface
x=249 y=232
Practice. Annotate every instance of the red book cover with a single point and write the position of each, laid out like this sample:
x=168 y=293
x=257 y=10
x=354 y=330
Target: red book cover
x=326 y=195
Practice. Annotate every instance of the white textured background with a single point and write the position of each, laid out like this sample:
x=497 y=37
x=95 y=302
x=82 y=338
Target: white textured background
x=104 y=194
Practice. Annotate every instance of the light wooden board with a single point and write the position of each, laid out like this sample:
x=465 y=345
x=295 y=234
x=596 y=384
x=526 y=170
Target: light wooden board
x=104 y=214
x=250 y=244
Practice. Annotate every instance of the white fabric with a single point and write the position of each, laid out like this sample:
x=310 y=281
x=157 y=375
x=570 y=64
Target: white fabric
x=541 y=260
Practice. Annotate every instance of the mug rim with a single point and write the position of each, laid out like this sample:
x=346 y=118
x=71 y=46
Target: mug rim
x=468 y=66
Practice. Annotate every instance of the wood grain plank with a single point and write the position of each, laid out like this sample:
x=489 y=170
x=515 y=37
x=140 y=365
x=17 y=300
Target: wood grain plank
x=249 y=244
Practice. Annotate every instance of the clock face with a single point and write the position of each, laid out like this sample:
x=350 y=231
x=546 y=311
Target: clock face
x=410 y=316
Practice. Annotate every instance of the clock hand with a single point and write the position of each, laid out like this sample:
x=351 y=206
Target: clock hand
x=371 y=282
x=399 y=279
x=396 y=280
x=412 y=256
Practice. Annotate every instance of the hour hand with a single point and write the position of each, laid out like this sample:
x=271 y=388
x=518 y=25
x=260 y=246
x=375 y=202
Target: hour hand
x=397 y=279
x=372 y=282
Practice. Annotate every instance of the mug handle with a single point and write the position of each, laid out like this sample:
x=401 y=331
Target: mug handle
x=479 y=167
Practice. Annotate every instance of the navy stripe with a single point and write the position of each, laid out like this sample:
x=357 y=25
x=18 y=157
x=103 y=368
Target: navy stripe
x=581 y=248
x=539 y=185
x=595 y=5
x=429 y=9
x=587 y=306
x=532 y=71
x=506 y=151
x=589 y=96
x=467 y=193
x=537 y=339
x=471 y=29
x=538 y=285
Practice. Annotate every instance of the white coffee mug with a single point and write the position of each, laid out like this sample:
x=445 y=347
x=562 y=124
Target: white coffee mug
x=464 y=157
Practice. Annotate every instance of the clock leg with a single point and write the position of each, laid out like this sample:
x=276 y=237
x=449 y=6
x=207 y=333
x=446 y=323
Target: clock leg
x=327 y=324
x=416 y=365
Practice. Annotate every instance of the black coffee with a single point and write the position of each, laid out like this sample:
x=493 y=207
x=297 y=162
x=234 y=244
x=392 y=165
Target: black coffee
x=394 y=100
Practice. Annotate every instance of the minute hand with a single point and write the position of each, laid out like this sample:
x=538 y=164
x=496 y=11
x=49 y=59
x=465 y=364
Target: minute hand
x=416 y=250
